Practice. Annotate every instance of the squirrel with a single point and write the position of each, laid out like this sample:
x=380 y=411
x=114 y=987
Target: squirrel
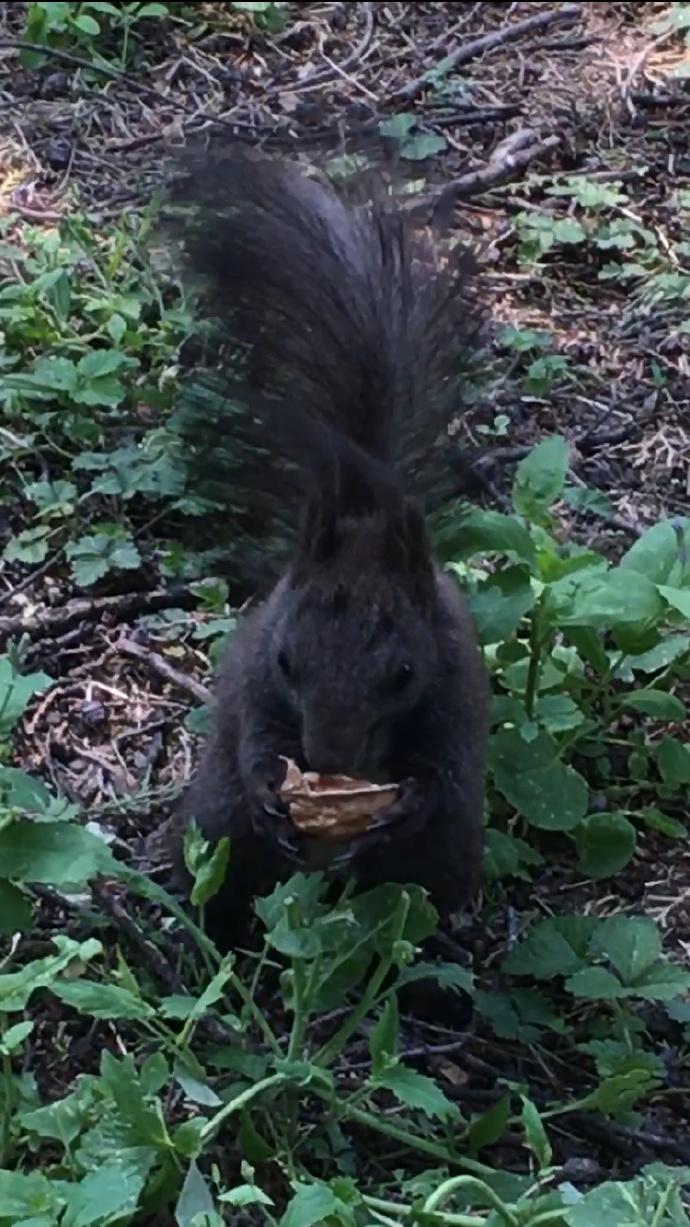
x=345 y=338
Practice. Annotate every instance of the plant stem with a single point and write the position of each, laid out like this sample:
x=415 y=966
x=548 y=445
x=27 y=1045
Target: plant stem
x=212 y=1126
x=534 y=660
x=335 y=1045
x=470 y=1182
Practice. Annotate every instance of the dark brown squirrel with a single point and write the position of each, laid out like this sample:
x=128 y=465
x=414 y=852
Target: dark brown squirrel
x=347 y=336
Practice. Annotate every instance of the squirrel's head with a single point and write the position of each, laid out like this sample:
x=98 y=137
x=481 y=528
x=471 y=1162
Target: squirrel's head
x=354 y=650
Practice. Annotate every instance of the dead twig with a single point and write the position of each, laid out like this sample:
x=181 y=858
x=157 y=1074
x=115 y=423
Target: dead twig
x=161 y=666
x=509 y=158
x=566 y=16
x=37 y=624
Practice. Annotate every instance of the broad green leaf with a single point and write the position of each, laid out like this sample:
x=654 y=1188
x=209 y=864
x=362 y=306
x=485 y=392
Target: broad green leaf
x=311 y=1206
x=540 y=478
x=57 y=854
x=596 y=984
x=605 y=844
x=657 y=703
x=16 y=987
x=421 y=145
x=673 y=758
x=27 y=1194
x=600 y=600
x=657 y=553
x=532 y=778
x=102 y=1000
x=678 y=598
x=557 y=947
x=195 y=1198
x=557 y=713
x=612 y=1203
x=660 y=657
x=619 y=1093
x=16 y=692
x=416 y=1091
x=518 y=1015
x=101 y=362
x=464 y=533
x=489 y=1128
x=30 y=546
x=631 y=943
x=446 y=975
x=16 y=915
x=500 y=603
x=108 y=1193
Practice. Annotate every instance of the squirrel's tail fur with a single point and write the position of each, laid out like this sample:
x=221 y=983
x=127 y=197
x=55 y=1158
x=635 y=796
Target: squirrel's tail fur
x=343 y=334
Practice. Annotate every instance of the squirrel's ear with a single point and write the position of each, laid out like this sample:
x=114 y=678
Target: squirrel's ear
x=409 y=551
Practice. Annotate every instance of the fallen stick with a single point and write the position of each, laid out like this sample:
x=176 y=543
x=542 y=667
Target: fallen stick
x=161 y=666
x=509 y=157
x=40 y=623
x=566 y=16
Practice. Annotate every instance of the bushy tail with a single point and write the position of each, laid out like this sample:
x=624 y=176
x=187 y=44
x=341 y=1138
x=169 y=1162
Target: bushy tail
x=342 y=334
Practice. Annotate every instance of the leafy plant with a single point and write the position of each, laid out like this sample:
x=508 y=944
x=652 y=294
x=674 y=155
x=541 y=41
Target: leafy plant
x=92 y=27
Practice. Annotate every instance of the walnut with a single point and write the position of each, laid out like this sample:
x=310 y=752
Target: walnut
x=333 y=807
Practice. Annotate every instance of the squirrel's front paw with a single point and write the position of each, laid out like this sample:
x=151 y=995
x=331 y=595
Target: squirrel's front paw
x=271 y=819
x=407 y=815
x=404 y=817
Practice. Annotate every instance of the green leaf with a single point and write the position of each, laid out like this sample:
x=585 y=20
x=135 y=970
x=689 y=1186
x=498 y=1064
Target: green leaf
x=535 y=1134
x=103 y=1000
x=464 y=533
x=540 y=478
x=311 y=1205
x=416 y=1091
x=195 y=1198
x=552 y=948
x=489 y=1128
x=619 y=1093
x=532 y=778
x=677 y=598
x=108 y=1193
x=16 y=692
x=673 y=759
x=602 y=600
x=500 y=603
x=596 y=984
x=605 y=844
x=16 y=987
x=16 y=915
x=56 y=854
x=518 y=1015
x=656 y=703
x=557 y=713
x=421 y=145
x=99 y=363
x=26 y=1195
x=657 y=553
x=631 y=943
x=30 y=546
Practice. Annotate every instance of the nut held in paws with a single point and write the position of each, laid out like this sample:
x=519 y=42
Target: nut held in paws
x=335 y=807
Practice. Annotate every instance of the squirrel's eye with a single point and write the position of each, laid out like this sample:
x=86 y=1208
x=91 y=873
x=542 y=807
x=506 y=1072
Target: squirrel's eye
x=401 y=678
x=284 y=664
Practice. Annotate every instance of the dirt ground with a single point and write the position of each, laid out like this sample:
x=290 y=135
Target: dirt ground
x=589 y=93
